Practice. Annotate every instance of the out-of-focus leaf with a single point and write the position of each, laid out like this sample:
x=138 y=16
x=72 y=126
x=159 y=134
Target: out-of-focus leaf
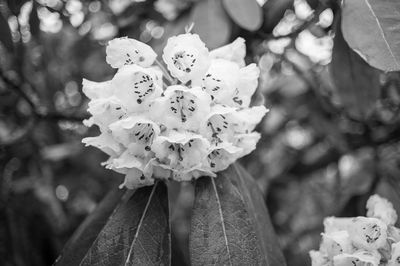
x=211 y=23
x=274 y=11
x=15 y=5
x=137 y=233
x=372 y=28
x=247 y=14
x=230 y=223
x=85 y=235
x=5 y=34
x=357 y=83
x=34 y=21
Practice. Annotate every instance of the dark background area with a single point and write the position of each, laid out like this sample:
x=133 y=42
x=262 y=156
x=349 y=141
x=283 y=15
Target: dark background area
x=324 y=150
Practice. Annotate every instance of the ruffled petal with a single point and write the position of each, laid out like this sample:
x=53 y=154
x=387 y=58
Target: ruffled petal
x=105 y=111
x=136 y=87
x=126 y=51
x=222 y=155
x=336 y=243
x=359 y=258
x=246 y=85
x=220 y=81
x=235 y=52
x=95 y=90
x=104 y=142
x=181 y=108
x=319 y=259
x=334 y=224
x=186 y=56
x=395 y=255
x=247 y=142
x=135 y=129
x=180 y=150
x=381 y=208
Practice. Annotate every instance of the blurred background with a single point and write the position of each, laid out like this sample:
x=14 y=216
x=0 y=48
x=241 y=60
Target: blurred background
x=329 y=141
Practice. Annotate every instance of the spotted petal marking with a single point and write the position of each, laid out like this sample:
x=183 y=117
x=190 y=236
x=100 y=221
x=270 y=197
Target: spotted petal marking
x=222 y=155
x=182 y=107
x=106 y=111
x=136 y=87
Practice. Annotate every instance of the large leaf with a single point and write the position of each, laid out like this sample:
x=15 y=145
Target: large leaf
x=5 y=34
x=357 y=83
x=211 y=23
x=372 y=28
x=230 y=223
x=137 y=233
x=247 y=14
x=86 y=234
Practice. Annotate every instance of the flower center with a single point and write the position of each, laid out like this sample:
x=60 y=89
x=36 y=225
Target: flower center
x=143 y=133
x=143 y=86
x=184 y=61
x=183 y=105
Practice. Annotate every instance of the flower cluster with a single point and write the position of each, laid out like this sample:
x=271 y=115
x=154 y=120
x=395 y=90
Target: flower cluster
x=364 y=241
x=197 y=125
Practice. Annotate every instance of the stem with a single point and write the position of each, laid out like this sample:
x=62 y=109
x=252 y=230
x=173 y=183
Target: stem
x=165 y=72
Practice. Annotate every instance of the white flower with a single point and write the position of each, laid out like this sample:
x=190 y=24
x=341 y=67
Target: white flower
x=135 y=129
x=359 y=258
x=381 y=208
x=235 y=52
x=368 y=233
x=152 y=130
x=395 y=255
x=186 y=57
x=180 y=150
x=336 y=243
x=181 y=107
x=136 y=87
x=334 y=224
x=126 y=51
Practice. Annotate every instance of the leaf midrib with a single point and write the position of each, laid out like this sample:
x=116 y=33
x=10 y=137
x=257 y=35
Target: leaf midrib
x=222 y=220
x=140 y=223
x=382 y=32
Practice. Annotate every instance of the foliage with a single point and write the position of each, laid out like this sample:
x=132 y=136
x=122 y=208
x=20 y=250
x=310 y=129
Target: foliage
x=331 y=139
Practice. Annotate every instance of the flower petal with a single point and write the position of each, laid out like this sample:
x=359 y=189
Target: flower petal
x=96 y=90
x=126 y=51
x=105 y=111
x=186 y=57
x=222 y=155
x=395 y=256
x=246 y=85
x=381 y=208
x=336 y=243
x=359 y=258
x=235 y=52
x=104 y=142
x=220 y=80
x=180 y=150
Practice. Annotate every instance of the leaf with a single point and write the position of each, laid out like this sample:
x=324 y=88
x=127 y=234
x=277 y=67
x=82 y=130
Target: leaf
x=5 y=34
x=80 y=242
x=230 y=223
x=211 y=23
x=372 y=28
x=274 y=11
x=357 y=83
x=137 y=233
x=247 y=14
